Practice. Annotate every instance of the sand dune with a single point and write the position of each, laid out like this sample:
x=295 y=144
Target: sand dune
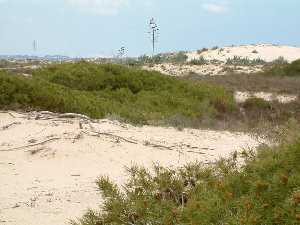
x=48 y=163
x=266 y=52
x=179 y=70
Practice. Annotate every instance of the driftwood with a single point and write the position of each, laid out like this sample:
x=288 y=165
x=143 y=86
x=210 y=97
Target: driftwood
x=30 y=145
x=12 y=115
x=77 y=137
x=98 y=134
x=64 y=115
x=9 y=125
x=35 y=151
x=147 y=143
x=47 y=115
x=200 y=153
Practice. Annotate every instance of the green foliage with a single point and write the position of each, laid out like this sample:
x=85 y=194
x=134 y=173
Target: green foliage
x=265 y=190
x=256 y=103
x=240 y=61
x=4 y=63
x=200 y=51
x=99 y=90
x=179 y=57
x=279 y=61
x=282 y=68
x=200 y=61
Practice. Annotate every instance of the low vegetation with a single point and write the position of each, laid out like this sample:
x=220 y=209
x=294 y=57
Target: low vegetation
x=257 y=112
x=101 y=90
x=253 y=82
x=179 y=57
x=240 y=61
x=200 y=61
x=144 y=97
x=200 y=51
x=264 y=190
x=282 y=68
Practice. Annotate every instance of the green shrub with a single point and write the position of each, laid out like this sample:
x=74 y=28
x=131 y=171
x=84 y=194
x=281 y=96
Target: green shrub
x=4 y=63
x=99 y=90
x=200 y=61
x=200 y=51
x=256 y=103
x=179 y=57
x=240 y=61
x=266 y=190
x=284 y=69
x=293 y=69
x=279 y=61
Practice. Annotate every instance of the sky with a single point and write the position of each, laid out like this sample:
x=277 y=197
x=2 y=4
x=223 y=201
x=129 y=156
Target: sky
x=100 y=27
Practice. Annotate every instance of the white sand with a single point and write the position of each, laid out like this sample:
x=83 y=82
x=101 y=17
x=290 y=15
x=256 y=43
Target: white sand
x=209 y=69
x=267 y=52
x=57 y=182
x=243 y=96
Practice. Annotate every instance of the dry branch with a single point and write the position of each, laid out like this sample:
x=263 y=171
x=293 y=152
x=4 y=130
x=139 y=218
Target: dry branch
x=30 y=145
x=9 y=125
x=64 y=115
x=98 y=134
x=200 y=153
x=147 y=143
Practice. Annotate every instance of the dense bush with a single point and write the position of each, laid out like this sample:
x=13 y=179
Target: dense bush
x=285 y=69
x=4 y=63
x=266 y=190
x=179 y=57
x=101 y=90
x=257 y=103
x=200 y=61
x=279 y=61
x=200 y=51
x=240 y=61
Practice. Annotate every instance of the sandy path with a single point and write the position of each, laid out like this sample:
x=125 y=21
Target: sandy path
x=51 y=182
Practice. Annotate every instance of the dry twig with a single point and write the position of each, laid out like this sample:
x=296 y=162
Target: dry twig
x=30 y=145
x=9 y=125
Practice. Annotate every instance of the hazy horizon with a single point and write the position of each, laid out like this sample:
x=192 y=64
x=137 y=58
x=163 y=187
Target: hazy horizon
x=101 y=27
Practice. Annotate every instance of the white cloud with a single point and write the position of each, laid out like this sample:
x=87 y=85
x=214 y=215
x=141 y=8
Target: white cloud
x=102 y=7
x=216 y=7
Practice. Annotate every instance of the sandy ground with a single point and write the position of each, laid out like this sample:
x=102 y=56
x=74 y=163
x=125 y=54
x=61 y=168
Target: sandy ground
x=284 y=99
x=49 y=164
x=209 y=69
x=266 y=52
